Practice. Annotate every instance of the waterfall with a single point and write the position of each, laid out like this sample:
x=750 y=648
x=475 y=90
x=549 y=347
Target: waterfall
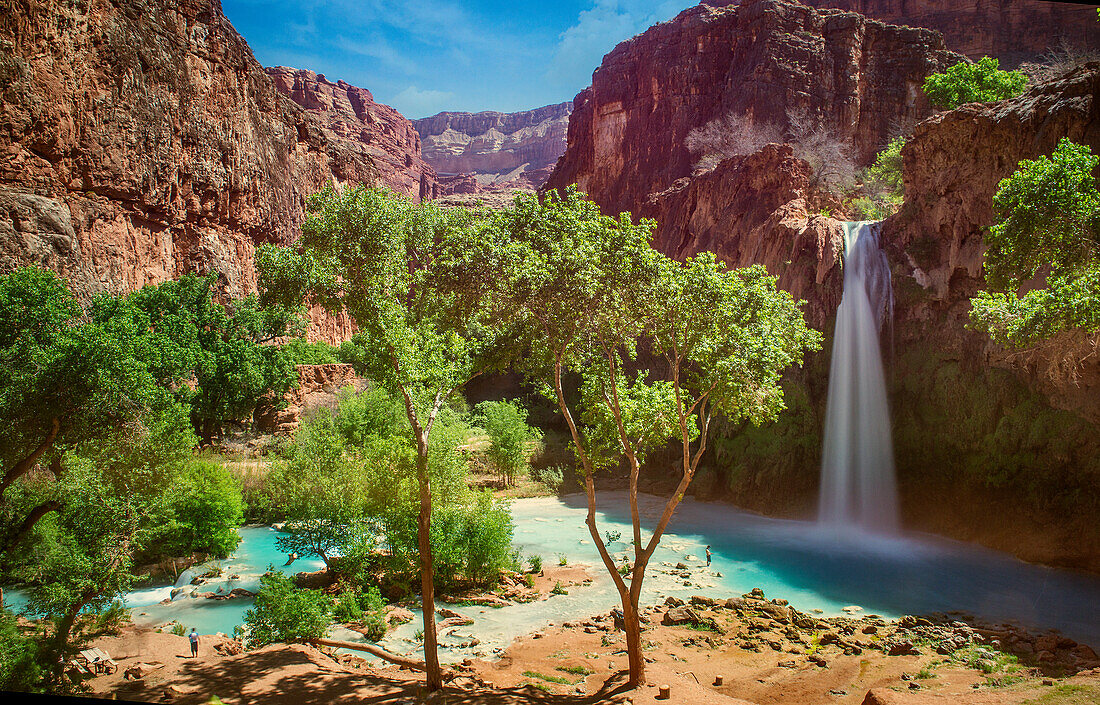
x=858 y=490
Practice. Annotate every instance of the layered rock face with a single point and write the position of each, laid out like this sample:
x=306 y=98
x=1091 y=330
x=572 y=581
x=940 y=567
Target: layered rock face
x=140 y=140
x=380 y=133
x=502 y=149
x=766 y=58
x=752 y=210
x=952 y=167
x=1011 y=30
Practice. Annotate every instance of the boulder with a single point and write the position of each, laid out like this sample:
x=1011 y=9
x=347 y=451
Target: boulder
x=680 y=615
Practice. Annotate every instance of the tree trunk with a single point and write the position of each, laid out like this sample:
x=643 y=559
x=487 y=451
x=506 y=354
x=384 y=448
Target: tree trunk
x=61 y=638
x=633 y=627
x=23 y=466
x=427 y=572
x=35 y=514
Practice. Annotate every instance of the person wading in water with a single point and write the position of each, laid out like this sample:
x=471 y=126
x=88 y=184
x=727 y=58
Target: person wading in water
x=708 y=555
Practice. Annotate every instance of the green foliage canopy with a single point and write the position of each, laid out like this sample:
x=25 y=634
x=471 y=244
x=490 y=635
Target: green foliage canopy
x=1048 y=225
x=969 y=82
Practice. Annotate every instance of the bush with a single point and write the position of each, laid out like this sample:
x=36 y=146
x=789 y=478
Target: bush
x=731 y=135
x=299 y=351
x=20 y=669
x=207 y=509
x=511 y=437
x=553 y=477
x=472 y=541
x=535 y=562
x=967 y=82
x=285 y=613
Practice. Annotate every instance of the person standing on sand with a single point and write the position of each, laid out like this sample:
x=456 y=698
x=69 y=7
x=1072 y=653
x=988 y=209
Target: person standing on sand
x=708 y=555
x=194 y=638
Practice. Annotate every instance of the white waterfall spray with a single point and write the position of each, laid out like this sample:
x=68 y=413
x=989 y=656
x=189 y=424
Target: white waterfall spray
x=858 y=490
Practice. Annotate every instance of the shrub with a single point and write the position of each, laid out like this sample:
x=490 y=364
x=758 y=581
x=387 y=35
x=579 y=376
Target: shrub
x=178 y=629
x=285 y=613
x=207 y=509
x=553 y=477
x=299 y=351
x=731 y=135
x=511 y=438
x=968 y=82
x=535 y=562
x=471 y=541
x=20 y=669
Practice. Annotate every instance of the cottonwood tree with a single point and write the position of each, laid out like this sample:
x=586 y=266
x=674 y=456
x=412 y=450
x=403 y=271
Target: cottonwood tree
x=588 y=288
x=389 y=264
x=1048 y=225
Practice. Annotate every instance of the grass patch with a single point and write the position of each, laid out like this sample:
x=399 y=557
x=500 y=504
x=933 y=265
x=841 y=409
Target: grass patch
x=925 y=673
x=705 y=625
x=560 y=653
x=576 y=670
x=558 y=589
x=561 y=680
x=541 y=686
x=1067 y=694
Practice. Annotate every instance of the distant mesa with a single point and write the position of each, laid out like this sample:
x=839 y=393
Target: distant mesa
x=473 y=152
x=351 y=115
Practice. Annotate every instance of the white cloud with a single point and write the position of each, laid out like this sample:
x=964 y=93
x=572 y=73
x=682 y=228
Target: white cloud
x=415 y=103
x=597 y=31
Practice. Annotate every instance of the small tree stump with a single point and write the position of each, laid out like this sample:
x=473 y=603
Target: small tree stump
x=718 y=680
x=663 y=692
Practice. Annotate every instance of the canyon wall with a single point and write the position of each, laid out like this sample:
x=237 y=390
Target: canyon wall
x=767 y=58
x=380 y=133
x=1011 y=30
x=141 y=140
x=495 y=149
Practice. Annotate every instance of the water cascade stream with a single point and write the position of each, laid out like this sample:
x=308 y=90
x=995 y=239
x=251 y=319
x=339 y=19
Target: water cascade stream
x=858 y=490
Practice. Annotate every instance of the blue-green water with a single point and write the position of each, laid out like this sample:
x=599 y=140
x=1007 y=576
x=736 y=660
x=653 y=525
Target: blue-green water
x=812 y=568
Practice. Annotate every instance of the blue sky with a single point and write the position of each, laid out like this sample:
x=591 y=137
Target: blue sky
x=428 y=56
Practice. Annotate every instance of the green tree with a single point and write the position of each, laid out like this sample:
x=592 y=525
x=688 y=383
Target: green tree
x=510 y=437
x=968 y=82
x=883 y=191
x=1048 y=225
x=20 y=665
x=725 y=338
x=389 y=263
x=116 y=488
x=285 y=613
x=224 y=348
x=206 y=509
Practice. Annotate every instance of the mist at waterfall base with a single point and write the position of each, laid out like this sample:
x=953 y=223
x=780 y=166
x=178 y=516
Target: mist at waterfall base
x=858 y=490
x=795 y=560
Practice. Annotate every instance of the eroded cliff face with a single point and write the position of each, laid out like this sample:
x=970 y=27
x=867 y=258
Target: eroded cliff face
x=952 y=167
x=496 y=149
x=378 y=132
x=140 y=140
x=1011 y=30
x=757 y=209
x=767 y=58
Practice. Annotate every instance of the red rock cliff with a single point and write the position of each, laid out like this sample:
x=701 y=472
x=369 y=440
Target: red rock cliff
x=140 y=140
x=496 y=147
x=378 y=132
x=1012 y=30
x=765 y=57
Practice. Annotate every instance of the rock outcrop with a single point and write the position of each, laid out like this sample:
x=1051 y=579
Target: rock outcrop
x=318 y=386
x=1011 y=30
x=140 y=140
x=767 y=58
x=952 y=166
x=505 y=149
x=757 y=209
x=380 y=133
